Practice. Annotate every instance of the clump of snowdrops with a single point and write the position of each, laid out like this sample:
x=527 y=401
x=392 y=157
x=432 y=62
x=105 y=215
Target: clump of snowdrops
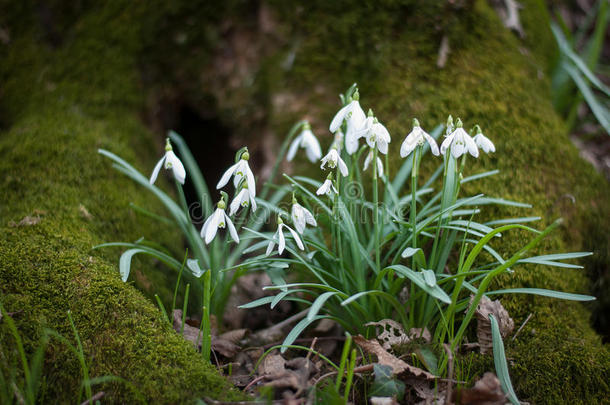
x=359 y=244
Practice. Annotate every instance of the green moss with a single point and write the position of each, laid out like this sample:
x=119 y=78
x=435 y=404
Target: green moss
x=62 y=103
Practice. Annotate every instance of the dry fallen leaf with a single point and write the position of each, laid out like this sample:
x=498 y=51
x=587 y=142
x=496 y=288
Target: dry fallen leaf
x=26 y=221
x=389 y=332
x=486 y=307
x=486 y=391
x=383 y=357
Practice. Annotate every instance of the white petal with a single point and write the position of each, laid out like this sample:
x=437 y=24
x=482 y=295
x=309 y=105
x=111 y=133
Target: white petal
x=324 y=188
x=206 y=224
x=333 y=187
x=292 y=151
x=155 y=173
x=446 y=143
x=367 y=161
x=298 y=217
x=458 y=149
x=338 y=118
x=282 y=241
x=432 y=143
x=342 y=167
x=382 y=145
x=351 y=142
x=358 y=116
x=296 y=238
x=240 y=172
x=250 y=181
x=176 y=165
x=226 y=176
x=270 y=246
x=311 y=145
x=236 y=203
x=232 y=229
x=212 y=228
x=309 y=218
x=408 y=145
x=471 y=145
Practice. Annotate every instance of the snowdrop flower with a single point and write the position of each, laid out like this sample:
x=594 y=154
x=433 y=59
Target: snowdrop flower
x=279 y=234
x=327 y=186
x=218 y=220
x=353 y=114
x=483 y=142
x=333 y=159
x=242 y=199
x=169 y=161
x=301 y=216
x=460 y=142
x=367 y=162
x=375 y=133
x=306 y=139
x=417 y=138
x=240 y=170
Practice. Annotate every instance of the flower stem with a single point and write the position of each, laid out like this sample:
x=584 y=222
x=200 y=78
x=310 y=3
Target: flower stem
x=376 y=207
x=206 y=327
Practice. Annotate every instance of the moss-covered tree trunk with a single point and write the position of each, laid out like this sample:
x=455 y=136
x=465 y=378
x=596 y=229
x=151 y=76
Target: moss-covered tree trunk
x=79 y=77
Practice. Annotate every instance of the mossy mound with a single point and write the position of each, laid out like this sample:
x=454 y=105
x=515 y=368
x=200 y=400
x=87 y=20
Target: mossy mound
x=60 y=103
x=73 y=86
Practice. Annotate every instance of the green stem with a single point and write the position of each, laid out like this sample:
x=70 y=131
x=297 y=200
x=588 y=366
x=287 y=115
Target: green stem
x=376 y=207
x=206 y=329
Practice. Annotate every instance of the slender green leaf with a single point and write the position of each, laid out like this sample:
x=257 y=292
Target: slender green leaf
x=545 y=293
x=500 y=361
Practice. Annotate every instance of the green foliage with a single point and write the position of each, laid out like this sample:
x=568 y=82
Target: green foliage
x=573 y=77
x=385 y=385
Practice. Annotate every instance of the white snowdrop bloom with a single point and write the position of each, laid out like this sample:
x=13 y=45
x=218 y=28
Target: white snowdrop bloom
x=327 y=186
x=333 y=159
x=169 y=161
x=279 y=236
x=219 y=219
x=459 y=142
x=483 y=142
x=301 y=216
x=416 y=138
x=242 y=199
x=307 y=140
x=368 y=160
x=375 y=133
x=354 y=116
x=239 y=170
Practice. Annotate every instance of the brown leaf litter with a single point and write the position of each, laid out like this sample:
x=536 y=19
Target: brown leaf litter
x=505 y=322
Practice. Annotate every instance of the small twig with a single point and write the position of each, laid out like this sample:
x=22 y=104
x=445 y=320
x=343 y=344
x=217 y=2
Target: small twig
x=306 y=340
x=251 y=383
x=521 y=327
x=313 y=343
x=450 y=373
x=94 y=398
x=357 y=370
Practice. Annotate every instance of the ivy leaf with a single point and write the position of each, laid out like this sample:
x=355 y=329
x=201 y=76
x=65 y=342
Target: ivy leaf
x=384 y=385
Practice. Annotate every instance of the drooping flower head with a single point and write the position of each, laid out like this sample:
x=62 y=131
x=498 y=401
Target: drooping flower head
x=307 y=140
x=169 y=161
x=375 y=133
x=354 y=116
x=459 y=142
x=281 y=241
x=219 y=219
x=416 y=138
x=240 y=170
x=301 y=216
x=337 y=141
x=333 y=160
x=368 y=160
x=242 y=199
x=327 y=186
x=482 y=141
